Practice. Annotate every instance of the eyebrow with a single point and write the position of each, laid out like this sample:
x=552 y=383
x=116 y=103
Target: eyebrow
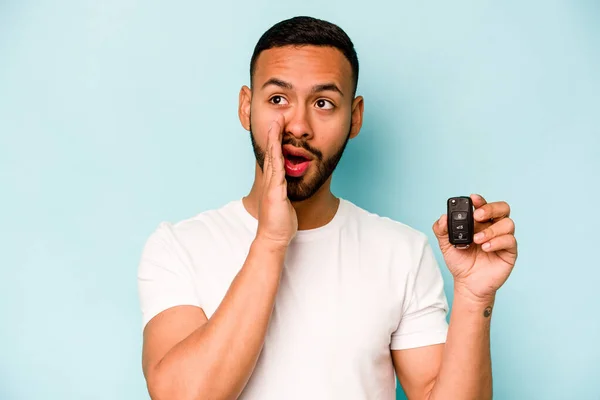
x=324 y=87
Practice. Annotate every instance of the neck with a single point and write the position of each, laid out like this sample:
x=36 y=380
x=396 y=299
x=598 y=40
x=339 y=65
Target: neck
x=312 y=213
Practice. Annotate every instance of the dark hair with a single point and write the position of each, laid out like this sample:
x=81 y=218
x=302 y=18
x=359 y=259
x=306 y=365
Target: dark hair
x=299 y=31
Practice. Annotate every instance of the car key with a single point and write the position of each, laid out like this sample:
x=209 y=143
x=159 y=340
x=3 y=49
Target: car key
x=460 y=221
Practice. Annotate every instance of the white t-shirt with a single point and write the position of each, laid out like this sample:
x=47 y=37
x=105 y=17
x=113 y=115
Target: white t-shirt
x=350 y=292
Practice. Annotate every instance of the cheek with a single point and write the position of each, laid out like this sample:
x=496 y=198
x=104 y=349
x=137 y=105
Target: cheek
x=337 y=122
x=334 y=131
x=260 y=119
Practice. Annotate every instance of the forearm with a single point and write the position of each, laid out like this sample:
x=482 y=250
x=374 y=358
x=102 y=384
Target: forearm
x=466 y=370
x=217 y=359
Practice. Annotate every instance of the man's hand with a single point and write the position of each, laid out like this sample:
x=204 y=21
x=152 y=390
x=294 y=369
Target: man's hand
x=189 y=356
x=277 y=220
x=480 y=270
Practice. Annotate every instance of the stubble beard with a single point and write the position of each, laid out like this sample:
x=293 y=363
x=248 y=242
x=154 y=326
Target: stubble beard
x=304 y=187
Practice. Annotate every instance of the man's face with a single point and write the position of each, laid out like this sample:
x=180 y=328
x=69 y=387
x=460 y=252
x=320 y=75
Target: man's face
x=312 y=87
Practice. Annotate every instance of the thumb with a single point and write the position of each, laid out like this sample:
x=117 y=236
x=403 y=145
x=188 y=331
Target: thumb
x=440 y=229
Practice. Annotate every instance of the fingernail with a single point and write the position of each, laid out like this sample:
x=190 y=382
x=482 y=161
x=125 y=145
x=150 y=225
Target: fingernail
x=486 y=246
x=479 y=213
x=479 y=236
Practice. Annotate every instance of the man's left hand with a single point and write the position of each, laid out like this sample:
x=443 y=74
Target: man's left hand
x=481 y=269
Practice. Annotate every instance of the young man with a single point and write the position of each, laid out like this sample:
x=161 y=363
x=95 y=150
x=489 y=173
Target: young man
x=292 y=293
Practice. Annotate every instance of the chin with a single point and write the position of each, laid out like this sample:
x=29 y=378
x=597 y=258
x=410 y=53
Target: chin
x=298 y=190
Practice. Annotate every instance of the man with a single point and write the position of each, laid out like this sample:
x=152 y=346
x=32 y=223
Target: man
x=292 y=293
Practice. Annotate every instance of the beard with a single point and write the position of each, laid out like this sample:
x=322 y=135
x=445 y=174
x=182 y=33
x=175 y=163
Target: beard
x=303 y=187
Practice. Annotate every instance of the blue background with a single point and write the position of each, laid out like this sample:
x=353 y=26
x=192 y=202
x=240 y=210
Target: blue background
x=119 y=114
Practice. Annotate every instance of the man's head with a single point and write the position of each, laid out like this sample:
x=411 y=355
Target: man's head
x=307 y=70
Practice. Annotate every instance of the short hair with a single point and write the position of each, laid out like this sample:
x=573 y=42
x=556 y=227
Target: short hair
x=302 y=31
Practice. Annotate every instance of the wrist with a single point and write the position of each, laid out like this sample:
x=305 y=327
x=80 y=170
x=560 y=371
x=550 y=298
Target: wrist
x=464 y=294
x=269 y=246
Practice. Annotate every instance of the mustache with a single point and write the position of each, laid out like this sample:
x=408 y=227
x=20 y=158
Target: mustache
x=302 y=145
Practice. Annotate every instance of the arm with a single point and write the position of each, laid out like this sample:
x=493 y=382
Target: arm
x=186 y=356
x=466 y=369
x=460 y=369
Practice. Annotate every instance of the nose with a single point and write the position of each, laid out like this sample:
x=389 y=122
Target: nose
x=298 y=124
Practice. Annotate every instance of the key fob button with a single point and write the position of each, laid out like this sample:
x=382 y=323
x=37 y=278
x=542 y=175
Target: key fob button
x=459 y=226
x=459 y=215
x=460 y=235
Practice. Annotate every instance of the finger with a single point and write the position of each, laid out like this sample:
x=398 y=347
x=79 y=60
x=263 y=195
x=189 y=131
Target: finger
x=505 y=242
x=267 y=164
x=505 y=226
x=495 y=210
x=280 y=123
x=478 y=200
x=278 y=170
x=276 y=150
x=440 y=227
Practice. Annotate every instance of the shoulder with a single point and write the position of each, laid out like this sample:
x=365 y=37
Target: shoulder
x=196 y=229
x=389 y=232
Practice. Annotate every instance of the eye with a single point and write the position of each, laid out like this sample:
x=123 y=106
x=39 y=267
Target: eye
x=324 y=104
x=277 y=100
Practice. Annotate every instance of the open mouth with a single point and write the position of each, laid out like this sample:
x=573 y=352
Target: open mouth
x=297 y=161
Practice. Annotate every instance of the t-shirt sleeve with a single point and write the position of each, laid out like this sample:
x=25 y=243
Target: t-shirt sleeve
x=165 y=274
x=425 y=308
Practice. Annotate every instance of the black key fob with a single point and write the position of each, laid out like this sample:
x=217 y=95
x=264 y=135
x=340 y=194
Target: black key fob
x=460 y=221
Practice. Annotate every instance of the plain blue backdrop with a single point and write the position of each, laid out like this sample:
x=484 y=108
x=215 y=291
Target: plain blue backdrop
x=116 y=115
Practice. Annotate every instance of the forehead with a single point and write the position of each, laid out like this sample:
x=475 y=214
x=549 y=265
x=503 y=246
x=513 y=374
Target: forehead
x=304 y=65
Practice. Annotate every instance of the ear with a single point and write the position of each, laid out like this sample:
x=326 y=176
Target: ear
x=244 y=107
x=358 y=106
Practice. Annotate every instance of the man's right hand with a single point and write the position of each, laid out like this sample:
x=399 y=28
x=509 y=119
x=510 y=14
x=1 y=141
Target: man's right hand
x=187 y=355
x=277 y=220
